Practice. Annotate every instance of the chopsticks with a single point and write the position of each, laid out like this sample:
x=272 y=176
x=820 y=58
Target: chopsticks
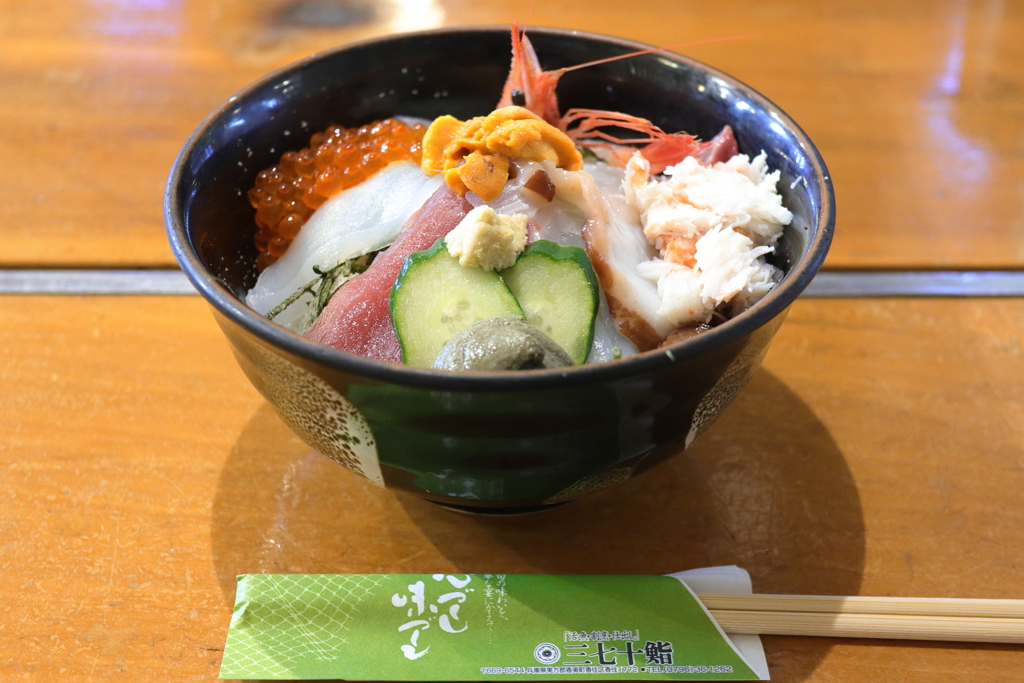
x=952 y=619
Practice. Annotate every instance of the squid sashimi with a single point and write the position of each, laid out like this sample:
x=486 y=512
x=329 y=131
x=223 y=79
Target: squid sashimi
x=362 y=219
x=358 y=319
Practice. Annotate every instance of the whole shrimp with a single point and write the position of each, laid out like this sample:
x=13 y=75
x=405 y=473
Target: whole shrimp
x=530 y=86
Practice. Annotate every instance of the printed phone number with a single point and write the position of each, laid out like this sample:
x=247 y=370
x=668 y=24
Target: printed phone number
x=716 y=669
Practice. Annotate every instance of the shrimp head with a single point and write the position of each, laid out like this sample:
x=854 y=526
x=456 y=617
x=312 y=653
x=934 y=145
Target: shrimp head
x=528 y=85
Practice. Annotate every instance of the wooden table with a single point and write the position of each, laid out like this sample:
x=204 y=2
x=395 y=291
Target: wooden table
x=879 y=451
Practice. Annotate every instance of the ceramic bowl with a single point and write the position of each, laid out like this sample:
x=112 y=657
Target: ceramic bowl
x=497 y=442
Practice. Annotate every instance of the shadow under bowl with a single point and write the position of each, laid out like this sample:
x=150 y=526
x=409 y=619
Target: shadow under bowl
x=484 y=441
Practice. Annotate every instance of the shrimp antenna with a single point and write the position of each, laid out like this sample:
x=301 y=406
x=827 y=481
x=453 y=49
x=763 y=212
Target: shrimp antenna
x=529 y=15
x=665 y=47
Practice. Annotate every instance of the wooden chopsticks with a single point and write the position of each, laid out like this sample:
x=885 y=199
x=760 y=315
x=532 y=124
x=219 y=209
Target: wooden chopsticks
x=953 y=619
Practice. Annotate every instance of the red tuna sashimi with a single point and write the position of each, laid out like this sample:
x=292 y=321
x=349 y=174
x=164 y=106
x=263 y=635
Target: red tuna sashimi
x=358 y=318
x=722 y=147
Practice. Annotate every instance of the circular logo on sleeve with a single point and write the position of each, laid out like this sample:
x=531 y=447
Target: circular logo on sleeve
x=546 y=653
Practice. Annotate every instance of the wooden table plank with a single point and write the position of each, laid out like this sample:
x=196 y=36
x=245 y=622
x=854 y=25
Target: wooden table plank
x=916 y=108
x=878 y=452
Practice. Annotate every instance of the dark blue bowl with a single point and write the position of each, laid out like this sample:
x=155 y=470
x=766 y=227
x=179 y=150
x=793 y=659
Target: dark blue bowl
x=486 y=441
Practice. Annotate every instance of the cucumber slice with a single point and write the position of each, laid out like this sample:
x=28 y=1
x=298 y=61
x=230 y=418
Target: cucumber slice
x=558 y=290
x=434 y=298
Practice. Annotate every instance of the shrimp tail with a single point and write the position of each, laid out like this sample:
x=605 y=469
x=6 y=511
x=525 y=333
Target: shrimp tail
x=670 y=151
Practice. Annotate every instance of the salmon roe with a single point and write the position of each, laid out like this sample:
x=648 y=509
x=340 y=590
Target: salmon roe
x=286 y=195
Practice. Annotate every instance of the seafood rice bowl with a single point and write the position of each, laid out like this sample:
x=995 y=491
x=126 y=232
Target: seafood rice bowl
x=499 y=287
x=604 y=244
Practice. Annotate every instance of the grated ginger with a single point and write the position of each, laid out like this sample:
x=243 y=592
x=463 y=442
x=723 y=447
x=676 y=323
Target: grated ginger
x=486 y=239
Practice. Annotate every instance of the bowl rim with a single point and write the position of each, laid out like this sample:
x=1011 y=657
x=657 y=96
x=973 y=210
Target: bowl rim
x=234 y=309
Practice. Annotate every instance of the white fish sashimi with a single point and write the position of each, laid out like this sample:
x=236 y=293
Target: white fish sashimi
x=559 y=220
x=356 y=221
